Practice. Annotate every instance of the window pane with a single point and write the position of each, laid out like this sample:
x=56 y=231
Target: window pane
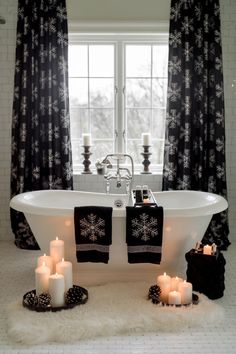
x=134 y=149
x=76 y=151
x=160 y=60
x=101 y=93
x=102 y=123
x=79 y=122
x=157 y=151
x=159 y=92
x=78 y=91
x=138 y=60
x=101 y=60
x=138 y=93
x=78 y=60
x=102 y=149
x=138 y=121
x=158 y=130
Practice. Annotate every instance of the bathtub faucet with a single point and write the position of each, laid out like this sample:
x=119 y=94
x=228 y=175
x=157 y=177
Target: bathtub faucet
x=120 y=173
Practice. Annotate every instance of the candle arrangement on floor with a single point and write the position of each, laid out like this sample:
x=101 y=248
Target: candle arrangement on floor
x=54 y=289
x=172 y=291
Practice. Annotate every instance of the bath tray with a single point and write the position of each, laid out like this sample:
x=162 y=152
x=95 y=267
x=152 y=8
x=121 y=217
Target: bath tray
x=39 y=308
x=152 y=200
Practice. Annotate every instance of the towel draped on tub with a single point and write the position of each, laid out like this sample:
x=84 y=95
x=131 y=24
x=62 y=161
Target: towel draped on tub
x=93 y=230
x=144 y=226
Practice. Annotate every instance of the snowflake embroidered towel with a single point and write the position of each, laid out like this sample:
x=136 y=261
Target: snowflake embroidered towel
x=144 y=227
x=93 y=228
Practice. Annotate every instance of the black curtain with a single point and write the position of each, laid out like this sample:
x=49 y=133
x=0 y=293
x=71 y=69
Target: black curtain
x=194 y=156
x=41 y=146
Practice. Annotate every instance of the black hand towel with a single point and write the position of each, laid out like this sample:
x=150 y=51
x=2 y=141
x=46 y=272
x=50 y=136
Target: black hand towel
x=93 y=229
x=144 y=227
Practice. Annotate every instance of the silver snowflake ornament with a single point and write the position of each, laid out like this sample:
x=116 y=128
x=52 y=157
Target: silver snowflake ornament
x=144 y=227
x=92 y=227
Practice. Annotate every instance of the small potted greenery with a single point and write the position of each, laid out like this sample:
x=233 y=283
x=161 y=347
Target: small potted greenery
x=101 y=167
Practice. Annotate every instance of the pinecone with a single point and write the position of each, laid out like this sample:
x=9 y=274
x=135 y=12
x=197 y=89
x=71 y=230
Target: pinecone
x=154 y=294
x=74 y=295
x=31 y=299
x=44 y=300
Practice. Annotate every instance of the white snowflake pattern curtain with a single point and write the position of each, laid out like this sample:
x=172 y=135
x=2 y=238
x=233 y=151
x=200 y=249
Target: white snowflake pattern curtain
x=41 y=145
x=194 y=156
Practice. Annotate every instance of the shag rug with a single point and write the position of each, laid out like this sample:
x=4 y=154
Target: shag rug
x=112 y=309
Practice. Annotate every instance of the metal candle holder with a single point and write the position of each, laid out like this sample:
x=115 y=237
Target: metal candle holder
x=86 y=161
x=146 y=161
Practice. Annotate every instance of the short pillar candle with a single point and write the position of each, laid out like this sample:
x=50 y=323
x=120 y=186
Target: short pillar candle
x=86 y=139
x=57 y=250
x=146 y=139
x=57 y=290
x=164 y=282
x=42 y=274
x=174 y=298
x=207 y=249
x=65 y=268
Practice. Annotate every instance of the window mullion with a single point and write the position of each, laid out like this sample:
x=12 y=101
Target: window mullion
x=120 y=100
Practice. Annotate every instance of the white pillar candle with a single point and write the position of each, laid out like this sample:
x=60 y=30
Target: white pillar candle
x=42 y=274
x=57 y=250
x=65 y=268
x=86 y=139
x=146 y=139
x=207 y=249
x=174 y=283
x=47 y=260
x=185 y=289
x=57 y=290
x=174 y=298
x=164 y=282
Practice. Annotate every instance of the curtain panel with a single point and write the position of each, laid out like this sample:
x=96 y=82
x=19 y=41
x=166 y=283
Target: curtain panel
x=41 y=145
x=194 y=154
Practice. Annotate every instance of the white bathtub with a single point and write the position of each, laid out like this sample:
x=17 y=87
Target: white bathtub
x=186 y=217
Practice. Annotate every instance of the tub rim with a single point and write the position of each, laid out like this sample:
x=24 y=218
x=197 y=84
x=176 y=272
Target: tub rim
x=19 y=203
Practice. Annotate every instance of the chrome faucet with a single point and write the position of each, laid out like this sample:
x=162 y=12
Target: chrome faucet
x=118 y=174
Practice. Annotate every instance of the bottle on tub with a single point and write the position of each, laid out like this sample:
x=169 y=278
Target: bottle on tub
x=145 y=194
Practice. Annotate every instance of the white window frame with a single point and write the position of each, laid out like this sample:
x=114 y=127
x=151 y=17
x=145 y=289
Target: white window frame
x=119 y=40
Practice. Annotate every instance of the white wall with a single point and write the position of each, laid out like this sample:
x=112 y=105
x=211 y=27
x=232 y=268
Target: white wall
x=108 y=10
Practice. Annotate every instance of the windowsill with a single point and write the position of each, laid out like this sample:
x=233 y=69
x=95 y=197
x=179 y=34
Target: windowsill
x=136 y=173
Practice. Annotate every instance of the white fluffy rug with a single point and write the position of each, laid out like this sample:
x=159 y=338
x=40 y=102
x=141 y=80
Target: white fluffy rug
x=112 y=309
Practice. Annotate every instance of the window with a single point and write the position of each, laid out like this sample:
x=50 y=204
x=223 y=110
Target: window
x=118 y=91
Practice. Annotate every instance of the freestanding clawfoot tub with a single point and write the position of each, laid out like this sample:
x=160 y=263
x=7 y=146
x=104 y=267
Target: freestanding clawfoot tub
x=186 y=217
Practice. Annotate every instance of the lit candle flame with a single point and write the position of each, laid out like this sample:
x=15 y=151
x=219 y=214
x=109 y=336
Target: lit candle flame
x=44 y=254
x=43 y=264
x=62 y=260
x=57 y=238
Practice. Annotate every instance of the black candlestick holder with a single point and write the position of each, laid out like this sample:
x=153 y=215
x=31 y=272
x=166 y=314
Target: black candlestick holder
x=86 y=161
x=146 y=154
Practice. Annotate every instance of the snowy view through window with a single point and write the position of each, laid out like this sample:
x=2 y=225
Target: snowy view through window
x=116 y=100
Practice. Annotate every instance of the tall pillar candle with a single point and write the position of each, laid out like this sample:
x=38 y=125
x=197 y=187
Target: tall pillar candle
x=164 y=282
x=174 y=283
x=65 y=268
x=185 y=289
x=57 y=290
x=42 y=274
x=57 y=250
x=47 y=260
